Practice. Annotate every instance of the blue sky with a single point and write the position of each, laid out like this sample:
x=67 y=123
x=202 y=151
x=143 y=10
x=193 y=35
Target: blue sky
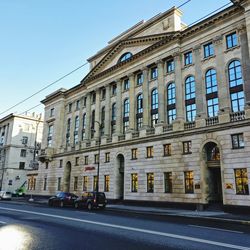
x=43 y=40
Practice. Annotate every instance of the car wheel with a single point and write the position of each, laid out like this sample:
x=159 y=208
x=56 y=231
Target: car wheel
x=89 y=206
x=61 y=204
x=76 y=205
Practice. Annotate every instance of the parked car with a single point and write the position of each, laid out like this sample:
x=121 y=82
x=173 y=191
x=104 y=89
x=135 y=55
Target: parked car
x=4 y=195
x=62 y=199
x=91 y=200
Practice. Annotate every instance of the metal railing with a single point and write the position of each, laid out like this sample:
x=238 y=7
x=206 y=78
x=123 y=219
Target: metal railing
x=189 y=125
x=237 y=116
x=212 y=121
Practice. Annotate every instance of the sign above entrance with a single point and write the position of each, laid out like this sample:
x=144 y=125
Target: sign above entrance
x=89 y=168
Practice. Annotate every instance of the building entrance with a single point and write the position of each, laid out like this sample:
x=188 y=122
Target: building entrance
x=120 y=161
x=66 y=177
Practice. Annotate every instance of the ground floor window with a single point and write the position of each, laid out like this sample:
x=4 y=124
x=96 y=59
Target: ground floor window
x=189 y=182
x=168 y=182
x=75 y=183
x=31 y=183
x=85 y=183
x=241 y=181
x=150 y=182
x=107 y=183
x=134 y=183
x=59 y=183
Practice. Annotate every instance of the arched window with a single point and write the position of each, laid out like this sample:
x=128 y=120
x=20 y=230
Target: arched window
x=236 y=86
x=83 y=125
x=211 y=93
x=126 y=115
x=76 y=130
x=171 y=109
x=102 y=120
x=139 y=114
x=68 y=131
x=126 y=56
x=113 y=118
x=154 y=107
x=190 y=99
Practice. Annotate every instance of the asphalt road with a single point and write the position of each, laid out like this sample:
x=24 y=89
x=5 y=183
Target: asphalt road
x=24 y=226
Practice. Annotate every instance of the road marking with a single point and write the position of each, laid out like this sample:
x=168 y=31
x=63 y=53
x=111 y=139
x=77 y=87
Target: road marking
x=175 y=236
x=219 y=229
x=2 y=222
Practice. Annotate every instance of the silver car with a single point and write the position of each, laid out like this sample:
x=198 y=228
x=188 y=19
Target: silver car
x=4 y=195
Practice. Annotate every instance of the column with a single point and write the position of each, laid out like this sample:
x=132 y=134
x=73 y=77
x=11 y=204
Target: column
x=146 y=107
x=107 y=111
x=119 y=107
x=132 y=102
x=161 y=91
x=179 y=87
x=88 y=117
x=223 y=91
x=223 y=87
x=245 y=63
x=97 y=114
x=200 y=99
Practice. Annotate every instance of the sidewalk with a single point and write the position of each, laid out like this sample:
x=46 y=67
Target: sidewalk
x=219 y=216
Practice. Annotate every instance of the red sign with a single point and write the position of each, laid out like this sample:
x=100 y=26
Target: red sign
x=89 y=168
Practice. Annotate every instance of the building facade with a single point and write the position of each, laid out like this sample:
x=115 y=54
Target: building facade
x=166 y=110
x=18 y=136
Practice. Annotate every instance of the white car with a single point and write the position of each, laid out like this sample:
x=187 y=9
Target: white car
x=4 y=195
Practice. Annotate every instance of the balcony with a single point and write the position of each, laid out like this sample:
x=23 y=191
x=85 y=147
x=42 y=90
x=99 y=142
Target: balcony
x=46 y=154
x=168 y=127
x=121 y=137
x=135 y=134
x=212 y=121
x=150 y=131
x=189 y=125
x=237 y=116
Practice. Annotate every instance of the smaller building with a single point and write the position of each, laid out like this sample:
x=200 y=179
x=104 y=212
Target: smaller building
x=20 y=140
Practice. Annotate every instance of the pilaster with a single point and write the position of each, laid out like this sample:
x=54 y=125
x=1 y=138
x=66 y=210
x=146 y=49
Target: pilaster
x=107 y=112
x=119 y=108
x=145 y=89
x=132 y=102
x=161 y=91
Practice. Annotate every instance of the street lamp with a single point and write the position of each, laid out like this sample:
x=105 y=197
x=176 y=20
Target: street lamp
x=99 y=150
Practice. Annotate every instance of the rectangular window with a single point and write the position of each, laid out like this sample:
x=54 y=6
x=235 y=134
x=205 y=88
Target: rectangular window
x=187 y=147
x=212 y=107
x=167 y=149
x=25 y=140
x=44 y=183
x=93 y=98
x=208 y=50
x=59 y=180
x=77 y=104
x=168 y=182
x=50 y=134
x=231 y=40
x=134 y=183
x=188 y=58
x=114 y=89
x=150 y=182
x=191 y=112
x=237 y=141
x=103 y=93
x=150 y=152
x=189 y=182
x=126 y=84
x=75 y=183
x=241 y=181
x=85 y=183
x=170 y=66
x=139 y=79
x=154 y=73
x=23 y=153
x=46 y=165
x=77 y=161
x=96 y=158
x=21 y=165
x=95 y=183
x=107 y=157
x=61 y=164
x=70 y=107
x=107 y=183
x=86 y=159
x=84 y=101
x=52 y=112
x=134 y=153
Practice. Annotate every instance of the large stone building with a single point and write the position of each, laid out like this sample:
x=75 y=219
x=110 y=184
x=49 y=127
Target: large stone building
x=170 y=107
x=20 y=137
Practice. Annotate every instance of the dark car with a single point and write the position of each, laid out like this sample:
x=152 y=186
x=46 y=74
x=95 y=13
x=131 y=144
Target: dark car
x=91 y=200
x=62 y=199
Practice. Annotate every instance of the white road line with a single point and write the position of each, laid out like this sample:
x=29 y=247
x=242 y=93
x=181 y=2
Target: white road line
x=175 y=236
x=2 y=222
x=219 y=229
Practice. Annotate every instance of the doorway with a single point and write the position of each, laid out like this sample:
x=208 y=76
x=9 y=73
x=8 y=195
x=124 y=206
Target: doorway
x=66 y=177
x=120 y=164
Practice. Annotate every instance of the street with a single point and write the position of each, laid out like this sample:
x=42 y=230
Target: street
x=31 y=226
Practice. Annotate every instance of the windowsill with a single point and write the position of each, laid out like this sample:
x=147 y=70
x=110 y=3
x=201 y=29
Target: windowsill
x=188 y=66
x=232 y=48
x=238 y=148
x=166 y=155
x=169 y=73
x=208 y=58
x=107 y=162
x=134 y=191
x=149 y=157
x=153 y=79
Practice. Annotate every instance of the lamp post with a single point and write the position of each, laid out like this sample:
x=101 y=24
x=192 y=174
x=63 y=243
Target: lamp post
x=99 y=150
